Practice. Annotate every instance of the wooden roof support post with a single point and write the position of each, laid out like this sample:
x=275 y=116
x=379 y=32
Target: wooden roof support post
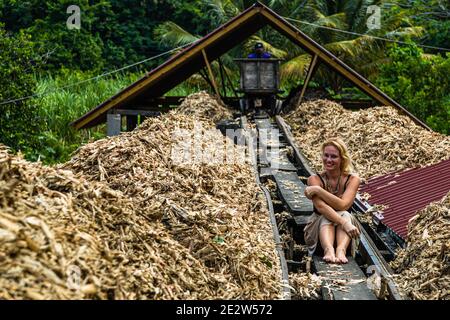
x=113 y=123
x=224 y=88
x=230 y=82
x=211 y=74
x=311 y=70
x=204 y=75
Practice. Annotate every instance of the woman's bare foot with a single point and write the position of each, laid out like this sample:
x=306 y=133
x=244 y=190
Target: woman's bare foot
x=329 y=255
x=340 y=255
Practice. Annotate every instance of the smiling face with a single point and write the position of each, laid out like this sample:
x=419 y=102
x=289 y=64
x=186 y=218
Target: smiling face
x=331 y=158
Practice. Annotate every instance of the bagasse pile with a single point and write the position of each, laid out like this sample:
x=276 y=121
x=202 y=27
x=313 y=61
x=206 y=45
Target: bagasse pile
x=216 y=212
x=129 y=224
x=380 y=140
x=306 y=286
x=202 y=105
x=62 y=237
x=424 y=267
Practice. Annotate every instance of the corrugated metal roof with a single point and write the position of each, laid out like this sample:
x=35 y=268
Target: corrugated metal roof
x=406 y=192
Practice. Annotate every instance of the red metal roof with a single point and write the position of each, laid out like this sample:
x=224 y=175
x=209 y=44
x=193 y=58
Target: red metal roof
x=406 y=192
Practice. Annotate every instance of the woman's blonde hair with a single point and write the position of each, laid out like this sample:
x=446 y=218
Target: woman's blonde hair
x=346 y=162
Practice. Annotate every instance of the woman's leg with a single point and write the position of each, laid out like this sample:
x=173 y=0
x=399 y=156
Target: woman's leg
x=326 y=237
x=343 y=240
x=331 y=214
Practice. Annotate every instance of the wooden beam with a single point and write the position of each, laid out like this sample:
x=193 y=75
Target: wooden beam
x=231 y=83
x=151 y=108
x=165 y=100
x=205 y=77
x=135 y=112
x=301 y=39
x=311 y=69
x=158 y=104
x=211 y=76
x=175 y=62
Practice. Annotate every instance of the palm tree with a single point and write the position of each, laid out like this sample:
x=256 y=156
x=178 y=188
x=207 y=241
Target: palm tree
x=216 y=13
x=355 y=44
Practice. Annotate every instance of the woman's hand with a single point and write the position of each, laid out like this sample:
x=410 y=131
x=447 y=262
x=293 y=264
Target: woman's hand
x=351 y=230
x=312 y=191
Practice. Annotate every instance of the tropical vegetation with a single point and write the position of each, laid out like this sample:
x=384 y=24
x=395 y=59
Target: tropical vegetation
x=51 y=74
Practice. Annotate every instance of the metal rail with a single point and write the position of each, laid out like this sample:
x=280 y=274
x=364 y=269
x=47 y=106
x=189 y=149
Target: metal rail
x=376 y=259
x=298 y=155
x=368 y=247
x=286 y=293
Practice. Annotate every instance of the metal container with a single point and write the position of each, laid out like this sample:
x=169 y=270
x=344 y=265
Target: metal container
x=259 y=75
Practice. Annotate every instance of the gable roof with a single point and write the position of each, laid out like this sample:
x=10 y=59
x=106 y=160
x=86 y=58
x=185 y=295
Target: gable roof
x=406 y=192
x=190 y=60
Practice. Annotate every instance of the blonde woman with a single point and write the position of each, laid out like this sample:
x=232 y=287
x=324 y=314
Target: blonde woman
x=332 y=193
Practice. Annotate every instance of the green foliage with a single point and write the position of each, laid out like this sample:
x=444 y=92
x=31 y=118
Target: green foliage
x=46 y=21
x=113 y=33
x=42 y=56
x=64 y=98
x=433 y=16
x=19 y=120
x=420 y=83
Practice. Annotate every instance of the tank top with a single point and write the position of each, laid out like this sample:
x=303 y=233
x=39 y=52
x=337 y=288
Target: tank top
x=323 y=186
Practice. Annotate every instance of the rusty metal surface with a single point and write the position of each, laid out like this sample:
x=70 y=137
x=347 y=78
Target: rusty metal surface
x=408 y=191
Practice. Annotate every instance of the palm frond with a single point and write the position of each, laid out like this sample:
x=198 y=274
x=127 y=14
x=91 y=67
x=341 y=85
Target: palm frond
x=170 y=34
x=314 y=28
x=373 y=67
x=394 y=21
x=333 y=21
x=295 y=68
x=280 y=3
x=221 y=11
x=406 y=32
x=347 y=48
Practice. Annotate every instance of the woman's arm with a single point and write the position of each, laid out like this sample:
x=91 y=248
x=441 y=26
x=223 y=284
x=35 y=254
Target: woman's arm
x=327 y=211
x=335 y=202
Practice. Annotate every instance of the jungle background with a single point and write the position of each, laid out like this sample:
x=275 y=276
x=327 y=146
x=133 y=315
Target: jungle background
x=50 y=75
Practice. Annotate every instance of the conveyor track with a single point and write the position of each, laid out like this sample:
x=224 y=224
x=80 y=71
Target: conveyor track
x=271 y=160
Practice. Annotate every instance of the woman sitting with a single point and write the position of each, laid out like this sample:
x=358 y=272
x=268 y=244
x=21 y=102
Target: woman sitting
x=332 y=193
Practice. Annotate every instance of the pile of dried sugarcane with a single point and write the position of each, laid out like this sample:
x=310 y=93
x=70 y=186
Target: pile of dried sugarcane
x=62 y=237
x=121 y=220
x=424 y=266
x=216 y=212
x=380 y=140
x=204 y=106
x=306 y=286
